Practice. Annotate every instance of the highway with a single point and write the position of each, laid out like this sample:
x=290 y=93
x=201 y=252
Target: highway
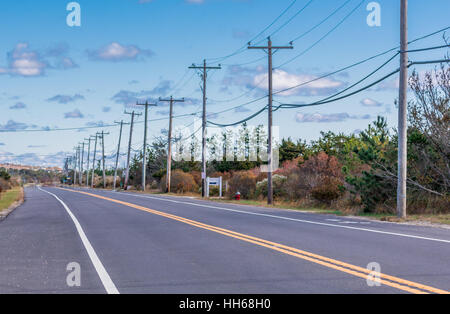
x=142 y=243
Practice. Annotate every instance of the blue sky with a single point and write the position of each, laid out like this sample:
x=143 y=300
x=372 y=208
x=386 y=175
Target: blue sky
x=56 y=76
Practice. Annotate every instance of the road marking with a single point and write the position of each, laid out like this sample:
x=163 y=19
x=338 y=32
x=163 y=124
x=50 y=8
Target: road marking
x=292 y=219
x=387 y=280
x=101 y=271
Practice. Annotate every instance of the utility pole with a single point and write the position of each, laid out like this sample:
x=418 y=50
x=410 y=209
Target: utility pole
x=93 y=162
x=81 y=164
x=75 y=167
x=118 y=154
x=204 y=75
x=144 y=150
x=402 y=112
x=127 y=173
x=270 y=50
x=102 y=136
x=88 y=158
x=171 y=100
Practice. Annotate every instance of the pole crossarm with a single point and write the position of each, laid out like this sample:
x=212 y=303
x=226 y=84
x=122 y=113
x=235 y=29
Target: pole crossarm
x=270 y=49
x=204 y=75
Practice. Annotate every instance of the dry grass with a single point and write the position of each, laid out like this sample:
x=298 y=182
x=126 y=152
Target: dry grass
x=9 y=197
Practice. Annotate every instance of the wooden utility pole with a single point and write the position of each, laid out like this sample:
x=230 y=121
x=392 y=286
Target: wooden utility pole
x=144 y=149
x=75 y=166
x=204 y=75
x=127 y=173
x=171 y=100
x=118 y=153
x=81 y=163
x=88 y=158
x=102 y=136
x=402 y=112
x=270 y=49
x=93 y=162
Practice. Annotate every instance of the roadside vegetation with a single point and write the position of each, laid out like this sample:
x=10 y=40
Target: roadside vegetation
x=337 y=173
x=10 y=190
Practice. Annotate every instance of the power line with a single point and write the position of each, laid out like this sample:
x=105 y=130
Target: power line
x=324 y=36
x=244 y=48
x=292 y=18
x=321 y=22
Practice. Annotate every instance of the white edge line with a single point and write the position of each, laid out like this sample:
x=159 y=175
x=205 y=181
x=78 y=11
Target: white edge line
x=287 y=218
x=109 y=285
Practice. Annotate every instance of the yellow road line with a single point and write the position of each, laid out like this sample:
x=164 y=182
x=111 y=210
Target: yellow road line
x=395 y=282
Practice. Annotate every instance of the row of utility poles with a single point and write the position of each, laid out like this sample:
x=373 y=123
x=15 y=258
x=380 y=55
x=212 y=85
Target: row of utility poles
x=203 y=70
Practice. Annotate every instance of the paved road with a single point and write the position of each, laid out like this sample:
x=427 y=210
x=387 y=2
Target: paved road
x=134 y=243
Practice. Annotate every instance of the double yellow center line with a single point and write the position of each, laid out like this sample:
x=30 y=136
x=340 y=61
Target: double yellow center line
x=391 y=281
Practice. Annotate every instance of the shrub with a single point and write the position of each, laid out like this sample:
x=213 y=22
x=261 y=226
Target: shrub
x=4 y=184
x=181 y=182
x=328 y=190
x=243 y=182
x=278 y=183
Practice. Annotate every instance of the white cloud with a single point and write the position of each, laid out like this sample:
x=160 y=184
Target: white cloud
x=332 y=117
x=117 y=52
x=369 y=102
x=23 y=62
x=283 y=80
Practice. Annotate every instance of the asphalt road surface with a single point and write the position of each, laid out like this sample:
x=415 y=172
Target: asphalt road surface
x=135 y=243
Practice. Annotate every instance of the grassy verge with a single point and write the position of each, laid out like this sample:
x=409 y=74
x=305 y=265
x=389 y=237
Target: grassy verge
x=9 y=197
x=282 y=205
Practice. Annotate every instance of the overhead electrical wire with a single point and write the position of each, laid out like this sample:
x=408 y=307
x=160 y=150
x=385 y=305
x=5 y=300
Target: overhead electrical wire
x=244 y=48
x=276 y=92
x=292 y=18
x=324 y=36
x=321 y=22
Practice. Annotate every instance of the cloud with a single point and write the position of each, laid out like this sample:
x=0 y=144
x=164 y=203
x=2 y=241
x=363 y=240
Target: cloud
x=116 y=52
x=332 y=117
x=59 y=57
x=36 y=146
x=19 y=105
x=241 y=109
x=106 y=109
x=24 y=62
x=76 y=114
x=95 y=124
x=130 y=98
x=65 y=99
x=248 y=78
x=368 y=102
x=283 y=80
x=32 y=159
x=2 y=144
x=12 y=125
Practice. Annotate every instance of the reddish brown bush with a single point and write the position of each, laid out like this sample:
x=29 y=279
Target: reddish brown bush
x=243 y=182
x=181 y=182
x=322 y=177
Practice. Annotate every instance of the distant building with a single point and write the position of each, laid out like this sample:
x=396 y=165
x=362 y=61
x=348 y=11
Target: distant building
x=36 y=168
